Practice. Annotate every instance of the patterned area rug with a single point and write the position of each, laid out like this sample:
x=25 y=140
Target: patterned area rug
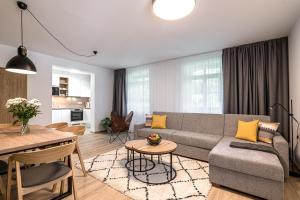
x=191 y=182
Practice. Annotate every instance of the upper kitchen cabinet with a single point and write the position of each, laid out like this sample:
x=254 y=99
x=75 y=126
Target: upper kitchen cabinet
x=79 y=85
x=74 y=86
x=85 y=86
x=55 y=80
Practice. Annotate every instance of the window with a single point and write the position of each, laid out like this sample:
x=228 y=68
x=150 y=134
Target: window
x=202 y=86
x=138 y=93
x=191 y=84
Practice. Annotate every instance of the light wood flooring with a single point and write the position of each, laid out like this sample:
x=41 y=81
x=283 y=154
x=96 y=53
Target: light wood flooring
x=89 y=188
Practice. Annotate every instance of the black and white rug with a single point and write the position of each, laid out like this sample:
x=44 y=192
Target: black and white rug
x=191 y=182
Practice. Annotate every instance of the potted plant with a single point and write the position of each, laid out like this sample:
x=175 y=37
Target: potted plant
x=23 y=110
x=106 y=122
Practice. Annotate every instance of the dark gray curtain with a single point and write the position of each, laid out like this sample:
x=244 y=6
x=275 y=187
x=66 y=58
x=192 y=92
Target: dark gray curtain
x=120 y=94
x=256 y=77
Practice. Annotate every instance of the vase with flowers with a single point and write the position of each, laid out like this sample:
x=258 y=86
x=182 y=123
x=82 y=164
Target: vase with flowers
x=23 y=110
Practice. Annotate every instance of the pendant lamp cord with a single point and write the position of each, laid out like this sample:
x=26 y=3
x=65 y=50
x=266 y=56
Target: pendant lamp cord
x=22 y=27
x=54 y=37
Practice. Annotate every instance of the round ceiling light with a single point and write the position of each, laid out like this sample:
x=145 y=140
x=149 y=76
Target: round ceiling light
x=173 y=9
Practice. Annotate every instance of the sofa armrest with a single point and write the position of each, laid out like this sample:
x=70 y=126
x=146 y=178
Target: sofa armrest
x=282 y=146
x=137 y=127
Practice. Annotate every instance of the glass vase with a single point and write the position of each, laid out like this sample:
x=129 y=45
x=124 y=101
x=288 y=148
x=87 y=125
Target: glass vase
x=24 y=128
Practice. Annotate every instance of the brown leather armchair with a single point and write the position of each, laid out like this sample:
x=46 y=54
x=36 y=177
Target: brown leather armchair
x=119 y=125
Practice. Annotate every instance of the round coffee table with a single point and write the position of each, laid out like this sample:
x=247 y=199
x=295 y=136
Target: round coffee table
x=129 y=164
x=165 y=147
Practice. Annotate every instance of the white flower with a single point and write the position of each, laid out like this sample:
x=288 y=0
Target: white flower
x=34 y=102
x=19 y=100
x=14 y=101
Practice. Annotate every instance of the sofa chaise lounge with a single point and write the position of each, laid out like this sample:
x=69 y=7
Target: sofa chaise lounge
x=207 y=137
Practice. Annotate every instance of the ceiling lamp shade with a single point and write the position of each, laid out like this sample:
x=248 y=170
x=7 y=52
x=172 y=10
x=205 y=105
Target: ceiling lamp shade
x=21 y=63
x=173 y=9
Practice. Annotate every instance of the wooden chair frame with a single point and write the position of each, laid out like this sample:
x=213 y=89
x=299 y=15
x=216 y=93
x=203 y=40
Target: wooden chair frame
x=57 y=125
x=2 y=188
x=37 y=157
x=77 y=130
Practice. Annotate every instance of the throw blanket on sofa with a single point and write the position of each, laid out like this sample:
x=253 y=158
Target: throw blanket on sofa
x=258 y=147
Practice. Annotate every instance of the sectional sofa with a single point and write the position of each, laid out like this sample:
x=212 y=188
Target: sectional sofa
x=207 y=137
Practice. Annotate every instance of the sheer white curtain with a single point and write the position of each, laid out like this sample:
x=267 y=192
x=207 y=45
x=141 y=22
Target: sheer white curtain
x=190 y=84
x=201 y=84
x=138 y=93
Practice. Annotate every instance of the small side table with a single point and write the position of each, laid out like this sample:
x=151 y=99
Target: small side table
x=165 y=147
x=130 y=161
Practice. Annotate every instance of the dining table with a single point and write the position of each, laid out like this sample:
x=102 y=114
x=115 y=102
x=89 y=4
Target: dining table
x=11 y=141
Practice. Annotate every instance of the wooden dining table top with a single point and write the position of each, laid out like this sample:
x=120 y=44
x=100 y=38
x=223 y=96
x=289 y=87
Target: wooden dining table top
x=12 y=141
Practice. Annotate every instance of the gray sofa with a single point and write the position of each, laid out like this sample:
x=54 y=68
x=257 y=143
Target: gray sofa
x=207 y=137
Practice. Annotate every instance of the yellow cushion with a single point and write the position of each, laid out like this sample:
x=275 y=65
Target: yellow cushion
x=159 y=121
x=247 y=130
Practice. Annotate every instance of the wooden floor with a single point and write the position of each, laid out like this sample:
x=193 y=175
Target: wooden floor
x=90 y=188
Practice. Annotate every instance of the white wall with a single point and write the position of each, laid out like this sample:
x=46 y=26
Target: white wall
x=39 y=85
x=294 y=69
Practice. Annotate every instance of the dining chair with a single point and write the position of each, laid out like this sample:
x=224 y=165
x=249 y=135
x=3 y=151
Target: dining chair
x=50 y=171
x=57 y=125
x=3 y=171
x=78 y=130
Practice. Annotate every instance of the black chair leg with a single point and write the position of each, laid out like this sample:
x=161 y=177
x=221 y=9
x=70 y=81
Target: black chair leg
x=112 y=138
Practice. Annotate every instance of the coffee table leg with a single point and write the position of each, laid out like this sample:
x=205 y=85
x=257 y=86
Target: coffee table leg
x=127 y=154
x=133 y=167
x=152 y=157
x=140 y=162
x=171 y=168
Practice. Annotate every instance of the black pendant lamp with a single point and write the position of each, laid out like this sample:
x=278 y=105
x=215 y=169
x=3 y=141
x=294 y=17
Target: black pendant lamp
x=21 y=63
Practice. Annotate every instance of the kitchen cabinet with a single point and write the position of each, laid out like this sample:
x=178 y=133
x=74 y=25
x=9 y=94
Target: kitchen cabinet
x=74 y=86
x=63 y=115
x=87 y=117
x=78 y=85
x=56 y=116
x=55 y=80
x=85 y=86
x=66 y=115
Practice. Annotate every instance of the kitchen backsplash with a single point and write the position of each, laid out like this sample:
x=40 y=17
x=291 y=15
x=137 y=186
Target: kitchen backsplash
x=70 y=102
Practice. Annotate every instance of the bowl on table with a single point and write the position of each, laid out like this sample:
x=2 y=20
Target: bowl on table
x=154 y=139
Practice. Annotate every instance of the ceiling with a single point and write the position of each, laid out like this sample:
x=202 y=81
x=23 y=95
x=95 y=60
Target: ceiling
x=127 y=33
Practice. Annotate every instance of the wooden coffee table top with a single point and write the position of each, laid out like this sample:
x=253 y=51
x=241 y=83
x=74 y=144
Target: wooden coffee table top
x=142 y=146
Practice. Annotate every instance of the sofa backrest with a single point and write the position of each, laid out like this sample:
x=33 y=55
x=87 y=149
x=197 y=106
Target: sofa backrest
x=203 y=123
x=218 y=124
x=231 y=122
x=174 y=120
